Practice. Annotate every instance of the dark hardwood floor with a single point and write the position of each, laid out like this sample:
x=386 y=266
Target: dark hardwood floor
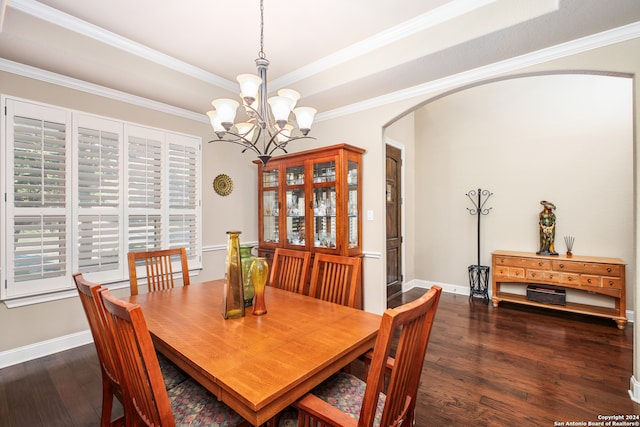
x=510 y=366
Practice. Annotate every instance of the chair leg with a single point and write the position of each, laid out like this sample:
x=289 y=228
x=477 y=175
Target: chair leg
x=107 y=402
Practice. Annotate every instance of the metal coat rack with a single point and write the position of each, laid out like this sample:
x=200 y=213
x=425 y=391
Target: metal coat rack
x=479 y=274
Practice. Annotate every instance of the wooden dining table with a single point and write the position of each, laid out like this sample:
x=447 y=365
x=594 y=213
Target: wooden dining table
x=258 y=365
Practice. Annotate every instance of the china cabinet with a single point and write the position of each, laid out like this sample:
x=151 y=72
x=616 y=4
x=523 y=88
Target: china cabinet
x=311 y=200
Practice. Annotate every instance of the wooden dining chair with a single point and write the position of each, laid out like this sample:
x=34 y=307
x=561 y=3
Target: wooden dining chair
x=290 y=270
x=97 y=323
x=92 y=304
x=147 y=402
x=159 y=268
x=336 y=278
x=388 y=397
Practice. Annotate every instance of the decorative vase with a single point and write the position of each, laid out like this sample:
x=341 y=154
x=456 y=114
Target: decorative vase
x=233 y=303
x=246 y=258
x=259 y=272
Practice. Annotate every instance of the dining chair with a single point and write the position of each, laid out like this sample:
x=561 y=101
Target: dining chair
x=290 y=270
x=89 y=296
x=147 y=402
x=159 y=268
x=336 y=278
x=111 y=387
x=388 y=397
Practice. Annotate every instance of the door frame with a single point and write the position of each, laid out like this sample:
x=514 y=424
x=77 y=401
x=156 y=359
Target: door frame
x=399 y=146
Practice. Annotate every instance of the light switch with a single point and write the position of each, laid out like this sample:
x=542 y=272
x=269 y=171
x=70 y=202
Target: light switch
x=369 y=215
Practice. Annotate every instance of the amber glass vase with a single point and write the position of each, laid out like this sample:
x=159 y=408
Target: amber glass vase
x=233 y=304
x=259 y=273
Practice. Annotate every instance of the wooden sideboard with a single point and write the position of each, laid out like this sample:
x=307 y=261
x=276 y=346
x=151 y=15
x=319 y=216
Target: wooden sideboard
x=595 y=275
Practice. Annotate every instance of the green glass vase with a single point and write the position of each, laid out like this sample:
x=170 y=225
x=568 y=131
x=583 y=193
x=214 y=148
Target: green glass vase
x=246 y=258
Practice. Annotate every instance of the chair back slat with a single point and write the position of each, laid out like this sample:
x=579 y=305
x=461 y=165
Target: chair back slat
x=290 y=270
x=336 y=279
x=159 y=268
x=412 y=324
x=147 y=400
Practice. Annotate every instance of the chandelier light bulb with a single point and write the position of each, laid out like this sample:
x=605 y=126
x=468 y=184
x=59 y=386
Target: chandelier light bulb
x=280 y=107
x=249 y=86
x=291 y=94
x=285 y=134
x=216 y=124
x=226 y=109
x=304 y=117
x=245 y=130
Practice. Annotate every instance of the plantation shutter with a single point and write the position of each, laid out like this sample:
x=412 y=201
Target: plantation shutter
x=145 y=182
x=99 y=200
x=38 y=220
x=183 y=192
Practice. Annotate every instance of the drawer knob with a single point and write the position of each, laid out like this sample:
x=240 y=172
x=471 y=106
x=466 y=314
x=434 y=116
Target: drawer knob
x=610 y=283
x=608 y=269
x=517 y=273
x=561 y=265
x=540 y=264
x=588 y=280
x=533 y=274
x=551 y=276
x=570 y=278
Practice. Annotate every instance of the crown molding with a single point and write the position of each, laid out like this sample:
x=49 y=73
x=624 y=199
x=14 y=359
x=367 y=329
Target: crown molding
x=64 y=20
x=606 y=38
x=444 y=13
x=71 y=83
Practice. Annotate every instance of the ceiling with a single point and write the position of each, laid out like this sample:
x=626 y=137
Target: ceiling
x=336 y=53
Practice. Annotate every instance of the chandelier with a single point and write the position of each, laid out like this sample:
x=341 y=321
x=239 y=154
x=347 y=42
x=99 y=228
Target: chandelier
x=267 y=126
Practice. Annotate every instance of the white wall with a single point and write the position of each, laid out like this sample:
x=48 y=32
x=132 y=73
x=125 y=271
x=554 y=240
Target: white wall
x=564 y=138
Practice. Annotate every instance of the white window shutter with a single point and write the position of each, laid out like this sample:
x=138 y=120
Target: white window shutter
x=99 y=190
x=38 y=199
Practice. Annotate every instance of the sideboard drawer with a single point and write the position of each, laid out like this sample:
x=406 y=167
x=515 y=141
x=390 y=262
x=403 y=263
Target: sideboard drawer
x=509 y=272
x=603 y=269
x=540 y=264
x=569 y=278
x=592 y=281
x=612 y=282
x=587 y=268
x=547 y=276
x=568 y=266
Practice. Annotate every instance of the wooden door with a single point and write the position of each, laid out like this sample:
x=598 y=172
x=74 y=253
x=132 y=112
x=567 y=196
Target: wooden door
x=394 y=221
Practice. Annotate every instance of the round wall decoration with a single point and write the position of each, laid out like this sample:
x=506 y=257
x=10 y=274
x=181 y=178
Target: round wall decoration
x=223 y=185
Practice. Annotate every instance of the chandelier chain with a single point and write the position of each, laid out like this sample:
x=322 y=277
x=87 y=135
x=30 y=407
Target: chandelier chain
x=261 y=53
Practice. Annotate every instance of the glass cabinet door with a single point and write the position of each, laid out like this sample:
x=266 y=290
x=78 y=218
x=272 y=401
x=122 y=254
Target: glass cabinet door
x=295 y=203
x=324 y=205
x=270 y=206
x=352 y=204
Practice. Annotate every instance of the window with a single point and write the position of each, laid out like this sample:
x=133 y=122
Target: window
x=81 y=191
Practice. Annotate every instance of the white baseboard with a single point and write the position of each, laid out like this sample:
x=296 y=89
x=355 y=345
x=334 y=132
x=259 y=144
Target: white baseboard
x=634 y=391
x=44 y=348
x=446 y=287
